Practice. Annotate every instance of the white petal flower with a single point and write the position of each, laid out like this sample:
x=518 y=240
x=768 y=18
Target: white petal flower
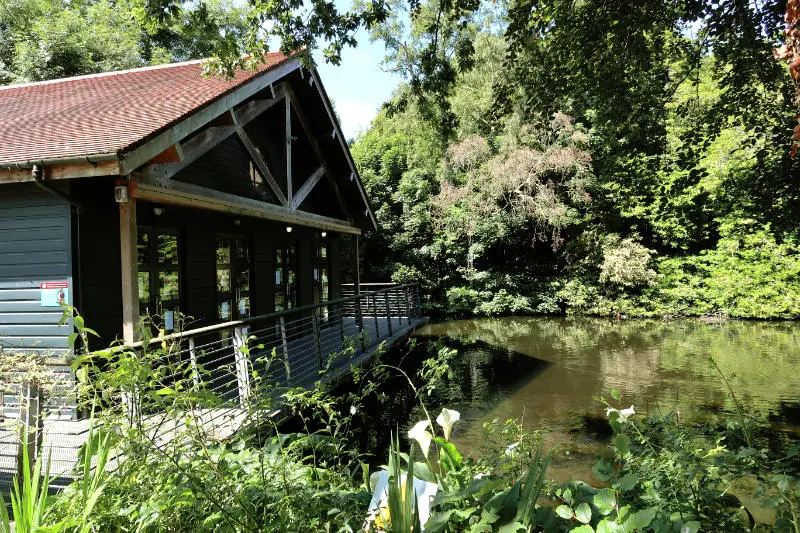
x=625 y=413
x=510 y=449
x=446 y=419
x=622 y=414
x=353 y=410
x=421 y=434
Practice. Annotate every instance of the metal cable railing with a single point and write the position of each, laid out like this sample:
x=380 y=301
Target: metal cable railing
x=266 y=354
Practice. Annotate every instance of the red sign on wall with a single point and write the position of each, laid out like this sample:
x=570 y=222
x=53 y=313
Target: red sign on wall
x=54 y=285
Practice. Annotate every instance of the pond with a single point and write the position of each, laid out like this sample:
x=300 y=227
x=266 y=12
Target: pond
x=548 y=373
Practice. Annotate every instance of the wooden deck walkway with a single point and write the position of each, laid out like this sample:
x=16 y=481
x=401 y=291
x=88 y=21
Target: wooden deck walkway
x=63 y=438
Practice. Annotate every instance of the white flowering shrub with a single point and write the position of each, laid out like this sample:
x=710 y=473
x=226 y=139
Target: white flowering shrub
x=625 y=263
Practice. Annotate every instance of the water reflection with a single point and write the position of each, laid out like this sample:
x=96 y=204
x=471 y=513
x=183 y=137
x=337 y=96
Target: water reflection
x=549 y=371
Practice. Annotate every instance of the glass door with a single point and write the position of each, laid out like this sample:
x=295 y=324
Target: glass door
x=159 y=276
x=233 y=277
x=320 y=283
x=285 y=282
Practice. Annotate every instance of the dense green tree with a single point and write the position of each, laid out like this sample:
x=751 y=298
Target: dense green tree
x=46 y=39
x=672 y=179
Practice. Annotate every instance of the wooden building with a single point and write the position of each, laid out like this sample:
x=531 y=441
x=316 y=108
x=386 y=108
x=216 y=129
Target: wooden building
x=158 y=191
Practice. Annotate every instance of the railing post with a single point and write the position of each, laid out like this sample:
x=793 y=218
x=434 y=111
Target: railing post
x=406 y=291
x=315 y=326
x=242 y=368
x=341 y=324
x=30 y=429
x=359 y=316
x=193 y=363
x=285 y=352
x=375 y=316
x=388 y=311
x=131 y=401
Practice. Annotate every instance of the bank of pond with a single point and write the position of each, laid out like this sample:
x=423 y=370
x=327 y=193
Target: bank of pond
x=516 y=424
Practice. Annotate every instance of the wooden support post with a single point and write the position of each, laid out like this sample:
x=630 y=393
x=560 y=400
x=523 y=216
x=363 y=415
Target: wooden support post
x=193 y=363
x=286 y=352
x=289 y=191
x=130 y=274
x=240 y=360
x=258 y=160
x=388 y=311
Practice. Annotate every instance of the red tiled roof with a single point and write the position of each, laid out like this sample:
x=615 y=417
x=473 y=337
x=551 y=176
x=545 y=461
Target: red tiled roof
x=104 y=113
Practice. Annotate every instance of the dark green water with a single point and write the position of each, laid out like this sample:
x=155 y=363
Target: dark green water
x=548 y=372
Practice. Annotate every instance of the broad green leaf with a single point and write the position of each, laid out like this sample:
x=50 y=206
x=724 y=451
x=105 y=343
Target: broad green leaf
x=583 y=513
x=582 y=529
x=450 y=458
x=607 y=526
x=565 y=512
x=605 y=500
x=423 y=472
x=627 y=482
x=438 y=521
x=622 y=442
x=615 y=394
x=641 y=519
x=602 y=470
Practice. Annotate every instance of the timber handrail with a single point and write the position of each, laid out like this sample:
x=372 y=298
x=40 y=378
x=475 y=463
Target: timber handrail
x=277 y=314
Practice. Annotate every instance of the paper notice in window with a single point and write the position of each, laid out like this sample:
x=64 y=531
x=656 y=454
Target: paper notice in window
x=169 y=320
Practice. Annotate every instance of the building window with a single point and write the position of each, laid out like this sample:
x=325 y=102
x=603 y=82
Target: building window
x=320 y=271
x=320 y=281
x=233 y=277
x=159 y=275
x=285 y=282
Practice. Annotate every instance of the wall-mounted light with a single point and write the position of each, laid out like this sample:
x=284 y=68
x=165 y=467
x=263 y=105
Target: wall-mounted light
x=236 y=222
x=288 y=229
x=158 y=211
x=324 y=234
x=121 y=192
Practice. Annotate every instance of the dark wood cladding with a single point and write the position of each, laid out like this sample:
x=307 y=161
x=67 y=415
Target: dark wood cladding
x=101 y=292
x=35 y=247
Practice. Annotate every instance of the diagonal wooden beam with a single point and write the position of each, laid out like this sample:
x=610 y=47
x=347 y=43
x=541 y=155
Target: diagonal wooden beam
x=253 y=109
x=192 y=149
x=261 y=165
x=307 y=187
x=219 y=130
x=284 y=89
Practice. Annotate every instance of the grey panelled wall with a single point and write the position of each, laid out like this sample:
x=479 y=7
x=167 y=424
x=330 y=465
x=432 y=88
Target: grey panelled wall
x=35 y=248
